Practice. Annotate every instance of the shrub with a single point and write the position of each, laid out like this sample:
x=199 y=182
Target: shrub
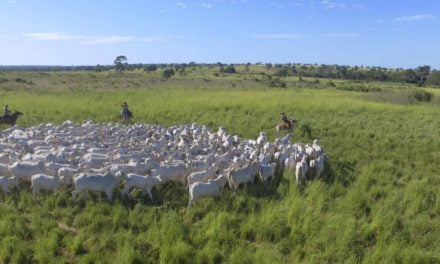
x=276 y=82
x=331 y=83
x=168 y=73
x=421 y=96
x=228 y=69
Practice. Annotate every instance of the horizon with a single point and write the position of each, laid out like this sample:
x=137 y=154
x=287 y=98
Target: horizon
x=395 y=34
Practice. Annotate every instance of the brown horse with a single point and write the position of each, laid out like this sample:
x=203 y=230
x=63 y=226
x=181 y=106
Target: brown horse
x=288 y=125
x=10 y=119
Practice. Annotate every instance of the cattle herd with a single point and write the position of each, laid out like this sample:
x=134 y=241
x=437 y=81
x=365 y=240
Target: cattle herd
x=103 y=156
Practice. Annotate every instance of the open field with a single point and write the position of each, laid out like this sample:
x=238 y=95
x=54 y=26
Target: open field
x=379 y=201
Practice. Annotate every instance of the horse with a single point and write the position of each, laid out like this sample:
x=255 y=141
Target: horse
x=10 y=119
x=288 y=125
x=126 y=114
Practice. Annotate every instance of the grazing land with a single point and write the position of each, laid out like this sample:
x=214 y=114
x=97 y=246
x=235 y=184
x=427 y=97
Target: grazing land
x=377 y=203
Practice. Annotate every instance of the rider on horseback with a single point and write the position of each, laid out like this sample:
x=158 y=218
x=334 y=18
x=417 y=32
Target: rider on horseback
x=125 y=113
x=6 y=110
x=284 y=118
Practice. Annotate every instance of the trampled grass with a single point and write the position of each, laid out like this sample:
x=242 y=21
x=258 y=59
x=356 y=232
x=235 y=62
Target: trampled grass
x=377 y=204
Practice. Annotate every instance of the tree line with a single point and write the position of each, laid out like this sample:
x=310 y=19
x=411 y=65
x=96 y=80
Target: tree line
x=421 y=75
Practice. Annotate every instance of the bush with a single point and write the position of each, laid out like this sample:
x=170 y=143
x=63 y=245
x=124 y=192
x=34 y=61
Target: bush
x=151 y=67
x=168 y=73
x=331 y=83
x=421 y=96
x=229 y=69
x=284 y=72
x=276 y=82
x=354 y=87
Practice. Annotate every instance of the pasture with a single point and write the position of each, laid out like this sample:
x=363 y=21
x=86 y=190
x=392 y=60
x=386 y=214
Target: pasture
x=378 y=201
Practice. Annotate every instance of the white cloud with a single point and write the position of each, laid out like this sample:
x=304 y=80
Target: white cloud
x=302 y=36
x=277 y=5
x=333 y=5
x=180 y=4
x=415 y=18
x=278 y=36
x=88 y=40
x=206 y=5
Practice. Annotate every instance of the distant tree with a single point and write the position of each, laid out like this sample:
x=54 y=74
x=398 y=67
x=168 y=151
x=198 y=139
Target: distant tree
x=120 y=63
x=151 y=67
x=168 y=73
x=423 y=72
x=99 y=68
x=228 y=69
x=246 y=67
x=268 y=65
x=282 y=72
x=434 y=78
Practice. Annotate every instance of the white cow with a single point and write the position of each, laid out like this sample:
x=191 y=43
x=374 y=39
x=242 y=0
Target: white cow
x=267 y=171
x=24 y=170
x=202 y=176
x=145 y=183
x=317 y=165
x=7 y=183
x=262 y=139
x=95 y=182
x=201 y=189
x=175 y=173
x=45 y=182
x=242 y=175
x=68 y=174
x=301 y=170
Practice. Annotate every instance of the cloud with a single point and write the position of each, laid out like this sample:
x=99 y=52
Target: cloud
x=277 y=5
x=180 y=4
x=333 y=5
x=415 y=18
x=88 y=40
x=302 y=36
x=278 y=36
x=206 y=5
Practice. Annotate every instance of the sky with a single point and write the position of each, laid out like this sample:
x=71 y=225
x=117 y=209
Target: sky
x=387 y=33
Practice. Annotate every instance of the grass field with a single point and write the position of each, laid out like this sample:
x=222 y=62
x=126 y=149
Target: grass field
x=379 y=201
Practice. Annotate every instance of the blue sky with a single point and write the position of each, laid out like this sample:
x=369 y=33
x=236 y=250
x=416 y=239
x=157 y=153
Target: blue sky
x=388 y=33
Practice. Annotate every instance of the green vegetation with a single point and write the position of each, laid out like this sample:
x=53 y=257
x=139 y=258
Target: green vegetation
x=378 y=202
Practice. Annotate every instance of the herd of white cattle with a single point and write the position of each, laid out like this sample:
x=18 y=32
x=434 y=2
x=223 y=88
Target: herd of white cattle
x=103 y=156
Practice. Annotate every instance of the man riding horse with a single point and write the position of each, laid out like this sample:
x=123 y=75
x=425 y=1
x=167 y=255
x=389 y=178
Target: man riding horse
x=126 y=114
x=5 y=110
x=8 y=117
x=286 y=123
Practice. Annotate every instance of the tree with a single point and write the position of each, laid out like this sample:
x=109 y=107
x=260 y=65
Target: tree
x=228 y=69
x=120 y=63
x=168 y=73
x=423 y=72
x=151 y=67
x=434 y=78
x=99 y=68
x=282 y=72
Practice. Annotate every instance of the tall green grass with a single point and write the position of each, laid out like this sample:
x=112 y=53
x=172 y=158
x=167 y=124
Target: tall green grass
x=378 y=202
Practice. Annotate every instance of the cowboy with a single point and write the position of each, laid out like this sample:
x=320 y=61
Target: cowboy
x=125 y=113
x=284 y=118
x=5 y=110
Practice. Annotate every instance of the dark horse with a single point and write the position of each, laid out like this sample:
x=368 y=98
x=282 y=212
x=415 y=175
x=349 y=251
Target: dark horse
x=10 y=119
